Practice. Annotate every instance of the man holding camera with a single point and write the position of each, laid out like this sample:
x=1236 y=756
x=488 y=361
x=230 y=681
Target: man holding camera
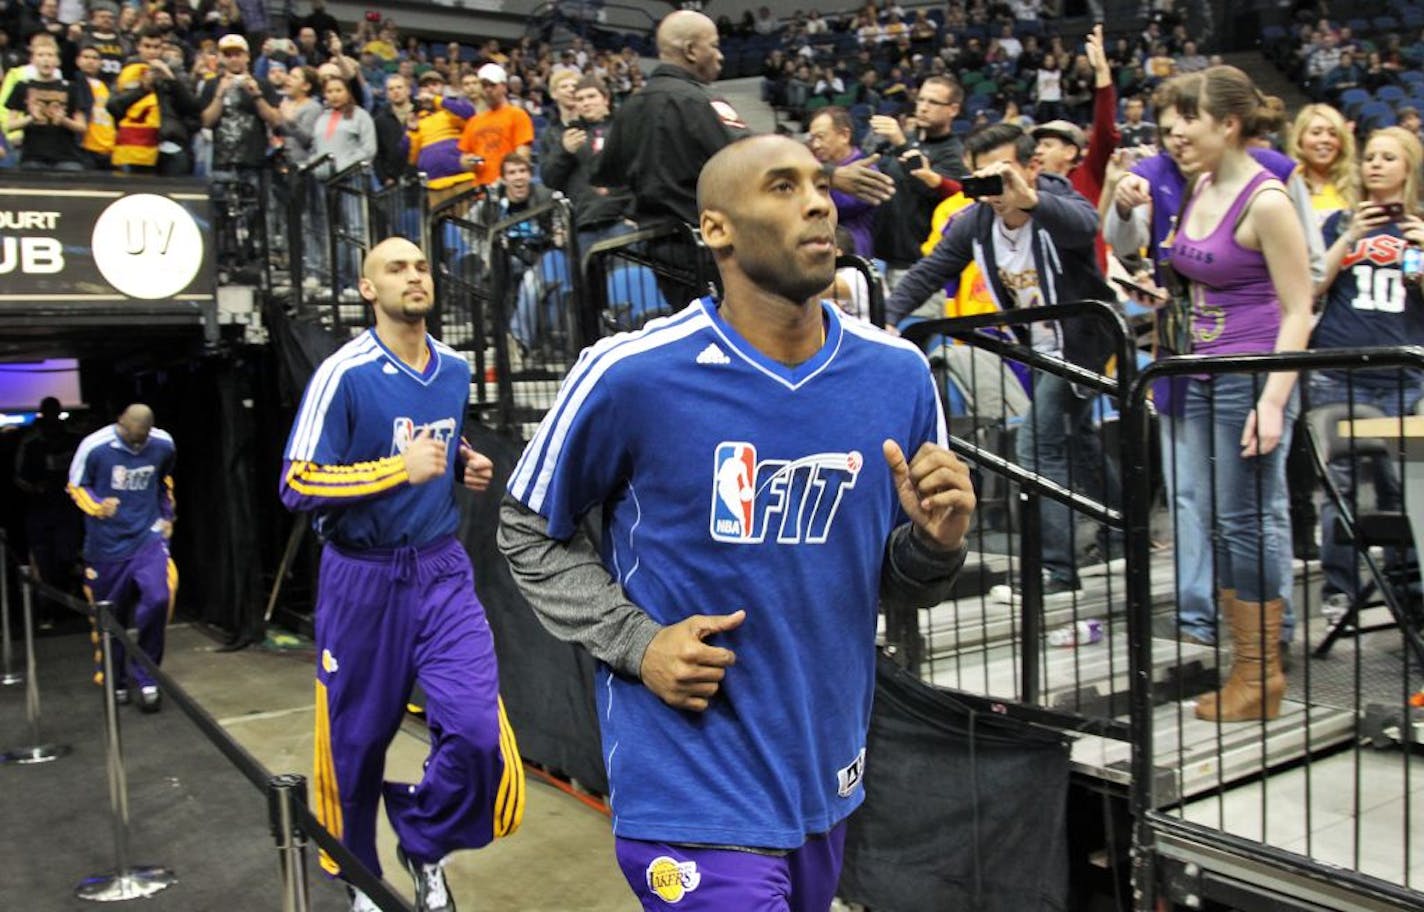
x=919 y=162
x=239 y=110
x=1031 y=236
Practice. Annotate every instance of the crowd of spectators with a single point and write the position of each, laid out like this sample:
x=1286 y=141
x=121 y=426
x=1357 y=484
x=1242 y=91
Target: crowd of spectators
x=180 y=88
x=1011 y=58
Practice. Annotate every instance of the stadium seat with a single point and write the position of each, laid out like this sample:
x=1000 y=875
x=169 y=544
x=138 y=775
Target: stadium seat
x=1412 y=78
x=1386 y=24
x=1389 y=93
x=1352 y=99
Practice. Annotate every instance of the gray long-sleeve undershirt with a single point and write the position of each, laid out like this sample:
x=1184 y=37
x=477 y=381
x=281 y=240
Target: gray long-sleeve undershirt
x=577 y=601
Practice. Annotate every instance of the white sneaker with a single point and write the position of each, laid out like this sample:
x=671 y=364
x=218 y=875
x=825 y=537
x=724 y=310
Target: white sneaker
x=1335 y=607
x=360 y=902
x=432 y=893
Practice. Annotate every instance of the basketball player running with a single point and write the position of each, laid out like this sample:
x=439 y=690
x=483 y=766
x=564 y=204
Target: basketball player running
x=121 y=478
x=744 y=546
x=374 y=454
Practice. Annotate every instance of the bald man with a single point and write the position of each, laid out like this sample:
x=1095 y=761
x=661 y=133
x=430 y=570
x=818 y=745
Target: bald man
x=374 y=455
x=745 y=547
x=121 y=478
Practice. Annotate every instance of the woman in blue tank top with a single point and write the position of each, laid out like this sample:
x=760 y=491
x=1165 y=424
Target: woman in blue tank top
x=1368 y=303
x=1243 y=252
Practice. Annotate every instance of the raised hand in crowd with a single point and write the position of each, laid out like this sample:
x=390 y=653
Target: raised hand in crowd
x=888 y=127
x=860 y=179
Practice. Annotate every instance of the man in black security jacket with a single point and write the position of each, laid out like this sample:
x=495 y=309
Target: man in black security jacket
x=664 y=134
x=1034 y=247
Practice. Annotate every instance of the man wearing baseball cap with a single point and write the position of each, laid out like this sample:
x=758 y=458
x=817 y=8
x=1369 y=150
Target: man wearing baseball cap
x=491 y=135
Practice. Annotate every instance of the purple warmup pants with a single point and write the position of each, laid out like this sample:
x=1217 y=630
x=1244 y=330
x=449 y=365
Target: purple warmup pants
x=141 y=588
x=384 y=620
x=695 y=879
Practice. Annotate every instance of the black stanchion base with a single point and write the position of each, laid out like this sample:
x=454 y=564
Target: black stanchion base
x=40 y=753
x=137 y=882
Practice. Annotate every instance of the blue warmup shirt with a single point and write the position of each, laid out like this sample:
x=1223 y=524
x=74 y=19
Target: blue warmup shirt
x=361 y=409
x=142 y=480
x=731 y=482
x=1369 y=303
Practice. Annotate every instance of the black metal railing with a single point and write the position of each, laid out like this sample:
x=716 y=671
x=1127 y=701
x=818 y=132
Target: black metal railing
x=992 y=641
x=1298 y=781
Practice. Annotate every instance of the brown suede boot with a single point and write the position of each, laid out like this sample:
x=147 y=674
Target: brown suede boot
x=1225 y=606
x=1256 y=685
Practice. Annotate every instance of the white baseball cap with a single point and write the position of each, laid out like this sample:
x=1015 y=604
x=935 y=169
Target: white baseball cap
x=492 y=72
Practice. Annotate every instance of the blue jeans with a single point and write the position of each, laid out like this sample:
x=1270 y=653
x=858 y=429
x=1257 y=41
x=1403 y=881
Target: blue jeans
x=538 y=298
x=1341 y=561
x=1057 y=435
x=1241 y=505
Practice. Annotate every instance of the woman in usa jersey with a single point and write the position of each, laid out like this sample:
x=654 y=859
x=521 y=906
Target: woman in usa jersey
x=749 y=458
x=1369 y=302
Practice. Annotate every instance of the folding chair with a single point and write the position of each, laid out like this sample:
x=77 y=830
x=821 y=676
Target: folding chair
x=1388 y=587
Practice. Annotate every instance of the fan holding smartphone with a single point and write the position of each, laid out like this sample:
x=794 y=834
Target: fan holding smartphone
x=1372 y=298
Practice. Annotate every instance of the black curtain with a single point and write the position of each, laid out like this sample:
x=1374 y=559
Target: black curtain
x=547 y=685
x=962 y=810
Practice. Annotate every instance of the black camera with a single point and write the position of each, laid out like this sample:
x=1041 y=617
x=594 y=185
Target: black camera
x=975 y=187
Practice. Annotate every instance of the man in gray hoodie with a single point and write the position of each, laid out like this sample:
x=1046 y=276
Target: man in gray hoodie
x=1034 y=245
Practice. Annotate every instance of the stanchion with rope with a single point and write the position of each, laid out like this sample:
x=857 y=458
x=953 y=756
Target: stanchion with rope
x=283 y=795
x=37 y=751
x=8 y=676
x=125 y=881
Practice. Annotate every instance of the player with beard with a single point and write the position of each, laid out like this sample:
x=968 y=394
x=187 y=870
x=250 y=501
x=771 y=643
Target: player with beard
x=374 y=454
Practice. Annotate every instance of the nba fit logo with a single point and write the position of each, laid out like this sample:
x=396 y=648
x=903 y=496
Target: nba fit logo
x=405 y=429
x=795 y=500
x=126 y=479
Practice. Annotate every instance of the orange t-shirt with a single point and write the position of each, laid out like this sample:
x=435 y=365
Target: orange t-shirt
x=494 y=134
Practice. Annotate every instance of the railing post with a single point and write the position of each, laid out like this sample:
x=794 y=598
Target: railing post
x=125 y=882
x=8 y=676
x=37 y=751
x=283 y=794
x=1031 y=592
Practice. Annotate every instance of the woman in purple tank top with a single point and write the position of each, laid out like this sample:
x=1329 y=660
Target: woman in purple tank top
x=1242 y=250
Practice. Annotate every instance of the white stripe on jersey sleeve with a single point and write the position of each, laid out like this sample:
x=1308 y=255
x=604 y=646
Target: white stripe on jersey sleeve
x=101 y=437
x=322 y=389
x=576 y=390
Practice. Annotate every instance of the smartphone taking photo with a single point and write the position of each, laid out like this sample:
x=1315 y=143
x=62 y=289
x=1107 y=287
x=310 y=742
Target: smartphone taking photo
x=1155 y=294
x=975 y=187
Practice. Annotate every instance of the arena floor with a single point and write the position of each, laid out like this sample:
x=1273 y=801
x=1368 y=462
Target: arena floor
x=192 y=812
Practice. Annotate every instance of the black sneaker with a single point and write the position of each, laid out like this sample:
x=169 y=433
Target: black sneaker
x=432 y=893
x=149 y=699
x=121 y=696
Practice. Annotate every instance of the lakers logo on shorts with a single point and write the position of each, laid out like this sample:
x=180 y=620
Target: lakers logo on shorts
x=671 y=879
x=328 y=662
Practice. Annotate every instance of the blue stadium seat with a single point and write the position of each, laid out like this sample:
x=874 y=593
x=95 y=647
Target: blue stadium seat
x=1389 y=93
x=1352 y=99
x=1411 y=78
x=1386 y=23
x=1358 y=26
x=960 y=127
x=1272 y=33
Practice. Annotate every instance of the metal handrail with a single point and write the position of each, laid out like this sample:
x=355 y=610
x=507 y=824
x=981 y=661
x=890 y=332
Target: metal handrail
x=1137 y=495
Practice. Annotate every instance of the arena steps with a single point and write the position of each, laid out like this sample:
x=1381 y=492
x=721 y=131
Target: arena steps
x=1193 y=757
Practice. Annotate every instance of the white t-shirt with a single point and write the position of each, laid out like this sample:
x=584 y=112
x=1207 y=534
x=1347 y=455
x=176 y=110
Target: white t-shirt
x=1050 y=85
x=1013 y=253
